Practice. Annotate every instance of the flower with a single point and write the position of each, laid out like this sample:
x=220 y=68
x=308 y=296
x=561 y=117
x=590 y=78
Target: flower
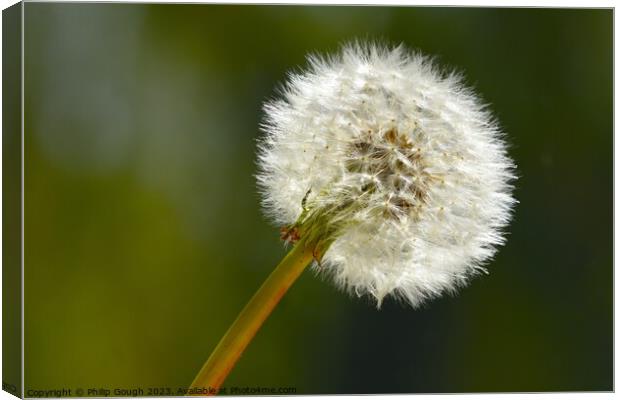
x=392 y=168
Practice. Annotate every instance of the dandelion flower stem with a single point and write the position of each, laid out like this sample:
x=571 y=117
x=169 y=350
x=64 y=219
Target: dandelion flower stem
x=251 y=318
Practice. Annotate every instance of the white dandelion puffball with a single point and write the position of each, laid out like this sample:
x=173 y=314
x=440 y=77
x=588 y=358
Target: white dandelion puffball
x=392 y=166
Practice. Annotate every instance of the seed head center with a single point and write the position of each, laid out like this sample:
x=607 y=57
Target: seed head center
x=391 y=165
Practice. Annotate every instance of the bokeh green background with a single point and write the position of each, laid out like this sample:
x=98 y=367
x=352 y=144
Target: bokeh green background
x=144 y=235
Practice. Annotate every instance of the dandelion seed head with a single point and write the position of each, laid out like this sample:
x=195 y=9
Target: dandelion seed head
x=393 y=162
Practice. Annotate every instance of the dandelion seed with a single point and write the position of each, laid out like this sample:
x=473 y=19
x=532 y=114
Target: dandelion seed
x=407 y=179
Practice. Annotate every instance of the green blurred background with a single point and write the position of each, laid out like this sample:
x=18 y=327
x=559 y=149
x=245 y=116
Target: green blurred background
x=144 y=236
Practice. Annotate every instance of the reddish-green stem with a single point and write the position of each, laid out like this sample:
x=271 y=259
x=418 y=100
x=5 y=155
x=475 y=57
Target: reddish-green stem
x=249 y=321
